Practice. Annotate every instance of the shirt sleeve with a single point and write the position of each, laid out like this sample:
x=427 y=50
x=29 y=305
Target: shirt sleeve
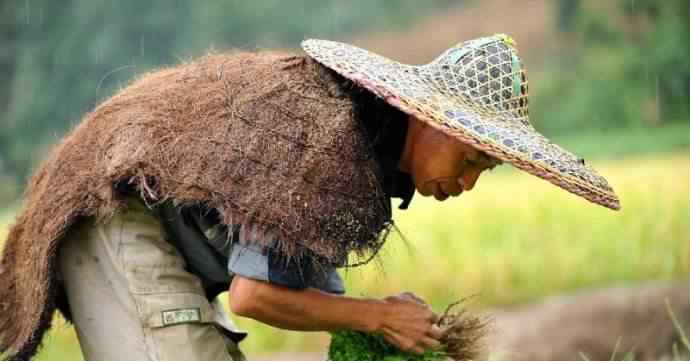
x=266 y=264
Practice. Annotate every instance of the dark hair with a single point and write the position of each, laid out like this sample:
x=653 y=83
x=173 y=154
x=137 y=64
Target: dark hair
x=373 y=113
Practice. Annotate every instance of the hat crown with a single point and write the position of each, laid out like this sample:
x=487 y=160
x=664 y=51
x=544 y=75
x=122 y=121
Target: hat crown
x=486 y=72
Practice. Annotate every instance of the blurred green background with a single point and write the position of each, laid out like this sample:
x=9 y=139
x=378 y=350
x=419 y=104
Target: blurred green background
x=609 y=80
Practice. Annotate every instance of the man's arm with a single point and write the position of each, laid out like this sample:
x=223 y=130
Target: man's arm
x=402 y=320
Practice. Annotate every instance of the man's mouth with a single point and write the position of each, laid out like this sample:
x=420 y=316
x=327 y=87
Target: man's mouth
x=437 y=188
x=439 y=194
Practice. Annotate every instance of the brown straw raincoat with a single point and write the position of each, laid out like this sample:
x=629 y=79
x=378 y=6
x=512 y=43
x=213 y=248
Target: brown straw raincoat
x=270 y=140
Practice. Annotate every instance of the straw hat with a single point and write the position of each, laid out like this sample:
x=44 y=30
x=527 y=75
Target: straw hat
x=477 y=92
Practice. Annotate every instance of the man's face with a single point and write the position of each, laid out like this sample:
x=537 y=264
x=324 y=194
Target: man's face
x=441 y=165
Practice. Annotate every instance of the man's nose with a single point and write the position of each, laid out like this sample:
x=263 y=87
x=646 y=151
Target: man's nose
x=469 y=178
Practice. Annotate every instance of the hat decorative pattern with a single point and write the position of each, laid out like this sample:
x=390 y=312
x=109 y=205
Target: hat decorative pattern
x=476 y=91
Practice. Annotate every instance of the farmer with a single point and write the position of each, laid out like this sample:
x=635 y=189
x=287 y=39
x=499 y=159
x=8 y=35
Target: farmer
x=259 y=173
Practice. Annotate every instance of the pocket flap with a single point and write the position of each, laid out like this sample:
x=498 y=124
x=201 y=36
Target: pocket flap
x=167 y=309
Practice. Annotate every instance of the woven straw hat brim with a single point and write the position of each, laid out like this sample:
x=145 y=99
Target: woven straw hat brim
x=411 y=90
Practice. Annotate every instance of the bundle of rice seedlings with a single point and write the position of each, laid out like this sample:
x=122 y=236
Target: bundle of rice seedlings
x=462 y=340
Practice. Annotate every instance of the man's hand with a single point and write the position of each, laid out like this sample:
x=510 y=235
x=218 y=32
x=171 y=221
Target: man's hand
x=405 y=320
x=409 y=323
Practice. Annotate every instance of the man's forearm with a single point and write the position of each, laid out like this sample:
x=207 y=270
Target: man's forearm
x=303 y=310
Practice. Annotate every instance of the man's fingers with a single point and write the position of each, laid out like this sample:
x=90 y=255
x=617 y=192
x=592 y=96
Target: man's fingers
x=435 y=332
x=413 y=297
x=409 y=345
x=417 y=349
x=397 y=340
x=431 y=343
x=391 y=339
x=434 y=318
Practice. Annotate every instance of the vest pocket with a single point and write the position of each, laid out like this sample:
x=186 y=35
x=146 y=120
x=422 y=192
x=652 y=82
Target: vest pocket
x=180 y=326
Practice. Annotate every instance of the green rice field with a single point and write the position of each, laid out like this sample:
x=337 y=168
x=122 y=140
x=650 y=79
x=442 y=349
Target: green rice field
x=513 y=239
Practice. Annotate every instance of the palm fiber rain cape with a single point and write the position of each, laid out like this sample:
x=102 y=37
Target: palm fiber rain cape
x=270 y=140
